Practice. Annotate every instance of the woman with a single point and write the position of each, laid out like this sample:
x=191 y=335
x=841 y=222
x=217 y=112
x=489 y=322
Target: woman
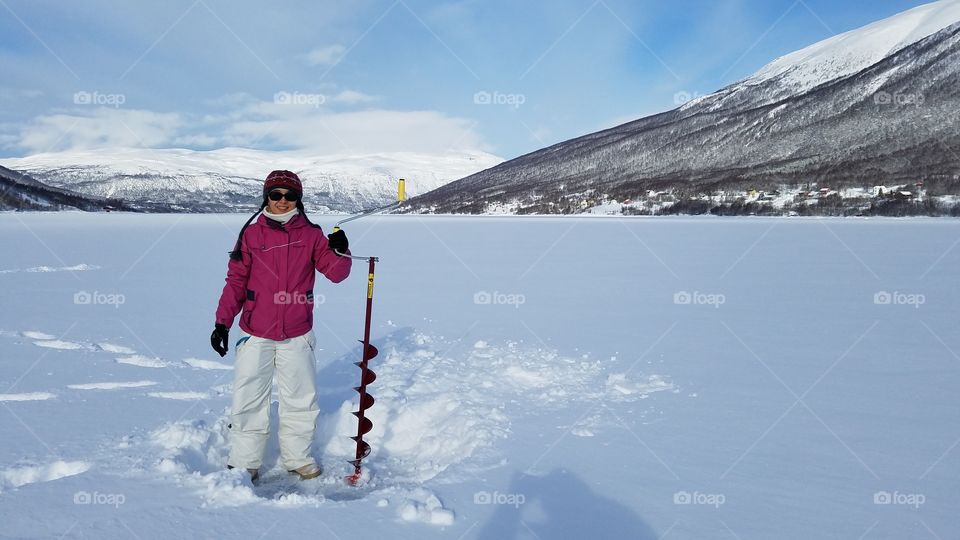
x=271 y=275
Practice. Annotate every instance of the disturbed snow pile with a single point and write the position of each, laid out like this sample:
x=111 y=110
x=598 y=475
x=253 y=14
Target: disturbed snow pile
x=14 y=477
x=434 y=411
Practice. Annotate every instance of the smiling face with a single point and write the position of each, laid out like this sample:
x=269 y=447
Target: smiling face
x=282 y=206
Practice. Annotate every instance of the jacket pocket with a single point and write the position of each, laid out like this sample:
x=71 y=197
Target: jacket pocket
x=248 y=306
x=299 y=311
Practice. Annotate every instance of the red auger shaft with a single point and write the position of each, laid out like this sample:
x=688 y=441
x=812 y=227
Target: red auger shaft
x=367 y=376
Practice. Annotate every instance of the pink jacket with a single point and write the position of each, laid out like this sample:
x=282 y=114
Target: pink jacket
x=274 y=280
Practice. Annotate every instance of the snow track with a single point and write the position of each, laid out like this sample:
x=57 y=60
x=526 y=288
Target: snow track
x=440 y=404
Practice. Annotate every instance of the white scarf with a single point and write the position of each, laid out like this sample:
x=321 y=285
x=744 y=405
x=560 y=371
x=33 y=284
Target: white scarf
x=282 y=218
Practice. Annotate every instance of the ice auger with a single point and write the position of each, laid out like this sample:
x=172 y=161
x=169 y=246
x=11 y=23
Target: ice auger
x=367 y=376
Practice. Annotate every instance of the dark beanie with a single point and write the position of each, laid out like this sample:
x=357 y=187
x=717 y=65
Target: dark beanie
x=282 y=179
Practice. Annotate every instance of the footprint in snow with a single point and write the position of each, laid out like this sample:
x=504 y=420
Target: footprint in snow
x=50 y=341
x=111 y=385
x=33 y=334
x=58 y=344
x=116 y=349
x=75 y=268
x=183 y=396
x=28 y=396
x=142 y=361
x=199 y=363
x=43 y=339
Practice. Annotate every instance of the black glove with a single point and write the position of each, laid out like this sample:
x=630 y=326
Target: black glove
x=220 y=339
x=338 y=241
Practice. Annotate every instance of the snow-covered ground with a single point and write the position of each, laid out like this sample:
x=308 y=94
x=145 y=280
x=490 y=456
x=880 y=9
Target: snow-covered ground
x=538 y=378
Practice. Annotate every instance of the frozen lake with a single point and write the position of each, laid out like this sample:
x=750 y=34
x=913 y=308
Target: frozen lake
x=540 y=377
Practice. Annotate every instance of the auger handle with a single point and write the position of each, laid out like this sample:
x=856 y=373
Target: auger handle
x=401 y=196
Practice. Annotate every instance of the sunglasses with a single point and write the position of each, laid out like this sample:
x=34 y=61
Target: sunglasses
x=291 y=196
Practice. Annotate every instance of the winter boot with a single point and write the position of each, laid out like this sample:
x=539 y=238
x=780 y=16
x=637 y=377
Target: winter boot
x=254 y=474
x=307 y=472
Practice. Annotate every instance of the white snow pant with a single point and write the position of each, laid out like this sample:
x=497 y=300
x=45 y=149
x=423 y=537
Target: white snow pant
x=252 y=385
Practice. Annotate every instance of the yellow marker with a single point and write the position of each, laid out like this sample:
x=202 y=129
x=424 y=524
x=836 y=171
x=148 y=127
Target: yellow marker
x=401 y=190
x=370 y=285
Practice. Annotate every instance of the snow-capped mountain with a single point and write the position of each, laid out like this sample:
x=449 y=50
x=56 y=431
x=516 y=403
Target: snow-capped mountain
x=839 y=56
x=19 y=191
x=231 y=178
x=877 y=105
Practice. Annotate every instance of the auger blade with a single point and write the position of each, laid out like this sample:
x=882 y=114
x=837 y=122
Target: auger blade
x=364 y=448
x=370 y=353
x=365 y=424
x=364 y=452
x=366 y=400
x=368 y=377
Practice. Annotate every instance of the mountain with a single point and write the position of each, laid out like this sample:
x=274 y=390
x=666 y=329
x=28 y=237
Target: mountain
x=873 y=106
x=19 y=191
x=230 y=179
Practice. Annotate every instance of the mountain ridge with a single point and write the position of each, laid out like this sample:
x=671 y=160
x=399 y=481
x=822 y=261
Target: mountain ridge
x=230 y=179
x=881 y=124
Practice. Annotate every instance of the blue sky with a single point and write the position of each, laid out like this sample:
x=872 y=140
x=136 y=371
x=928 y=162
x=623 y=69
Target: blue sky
x=370 y=76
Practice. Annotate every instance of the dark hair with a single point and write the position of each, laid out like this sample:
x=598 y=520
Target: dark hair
x=236 y=254
x=304 y=212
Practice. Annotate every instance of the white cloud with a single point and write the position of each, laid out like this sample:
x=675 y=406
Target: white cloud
x=199 y=139
x=325 y=56
x=362 y=131
x=253 y=124
x=98 y=128
x=352 y=97
x=301 y=123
